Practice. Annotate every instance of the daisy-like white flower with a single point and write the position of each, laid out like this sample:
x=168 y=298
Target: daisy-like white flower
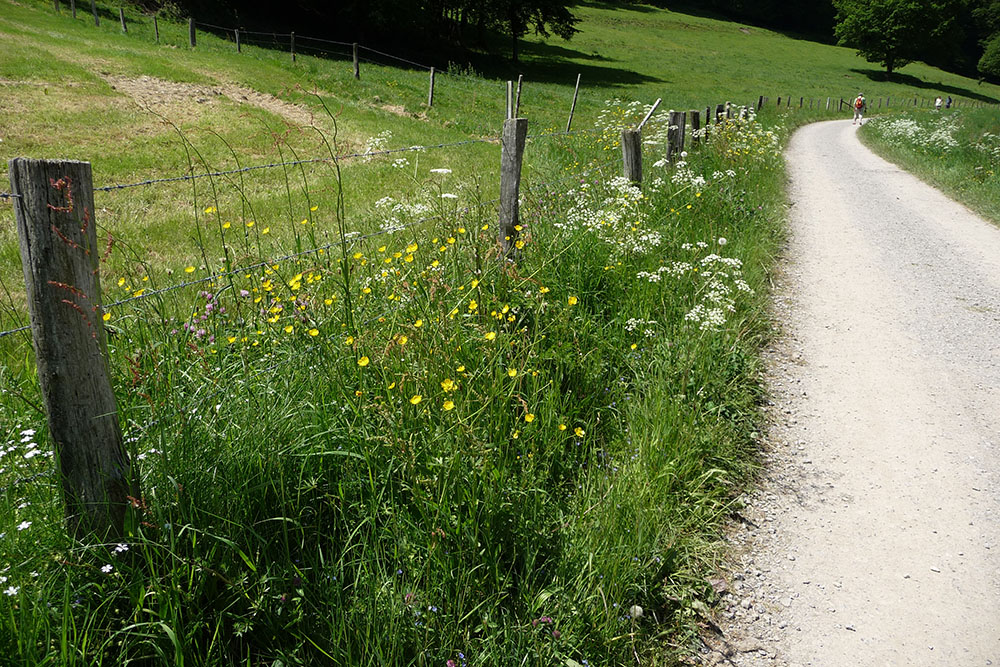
x=23 y=525
x=11 y=591
x=106 y=569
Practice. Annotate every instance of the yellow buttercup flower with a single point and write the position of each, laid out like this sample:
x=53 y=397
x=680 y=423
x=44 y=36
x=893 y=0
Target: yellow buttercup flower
x=189 y=269
x=448 y=384
x=579 y=432
x=448 y=405
x=106 y=316
x=363 y=361
x=314 y=332
x=529 y=417
x=562 y=427
x=572 y=300
x=289 y=329
x=512 y=372
x=416 y=399
x=490 y=335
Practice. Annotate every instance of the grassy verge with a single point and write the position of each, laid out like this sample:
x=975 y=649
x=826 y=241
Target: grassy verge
x=362 y=437
x=956 y=150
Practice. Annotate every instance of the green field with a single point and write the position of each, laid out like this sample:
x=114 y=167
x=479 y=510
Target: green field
x=361 y=435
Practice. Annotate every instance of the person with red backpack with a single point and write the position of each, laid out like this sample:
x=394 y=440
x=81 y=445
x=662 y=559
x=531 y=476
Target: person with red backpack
x=859 y=109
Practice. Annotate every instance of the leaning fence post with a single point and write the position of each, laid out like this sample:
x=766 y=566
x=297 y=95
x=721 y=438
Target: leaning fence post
x=572 y=108
x=239 y=49
x=695 y=127
x=293 y=45
x=93 y=10
x=515 y=132
x=430 y=91
x=156 y=29
x=121 y=17
x=192 y=37
x=57 y=234
x=357 y=65
x=517 y=98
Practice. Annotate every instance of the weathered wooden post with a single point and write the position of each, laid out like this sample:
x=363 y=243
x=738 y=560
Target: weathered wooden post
x=93 y=10
x=572 y=108
x=779 y=101
x=675 y=135
x=517 y=98
x=510 y=100
x=239 y=49
x=729 y=110
x=357 y=65
x=72 y=7
x=121 y=17
x=292 y=46
x=192 y=36
x=156 y=29
x=430 y=91
x=760 y=102
x=515 y=132
x=60 y=257
x=800 y=101
x=720 y=113
x=632 y=155
x=695 y=127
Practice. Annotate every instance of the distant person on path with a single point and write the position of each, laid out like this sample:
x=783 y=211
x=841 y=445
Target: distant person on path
x=947 y=104
x=859 y=109
x=937 y=103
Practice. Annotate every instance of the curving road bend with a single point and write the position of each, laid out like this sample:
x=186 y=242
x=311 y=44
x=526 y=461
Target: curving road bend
x=876 y=539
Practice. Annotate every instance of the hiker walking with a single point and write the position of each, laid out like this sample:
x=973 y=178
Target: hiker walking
x=859 y=109
x=937 y=103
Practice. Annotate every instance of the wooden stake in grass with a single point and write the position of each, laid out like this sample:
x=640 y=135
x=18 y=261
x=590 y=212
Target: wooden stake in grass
x=675 y=135
x=572 y=108
x=515 y=132
x=121 y=17
x=192 y=36
x=695 y=127
x=238 y=47
x=357 y=64
x=57 y=233
x=156 y=29
x=430 y=91
x=510 y=100
x=93 y=10
x=293 y=46
x=517 y=98
x=72 y=7
x=632 y=155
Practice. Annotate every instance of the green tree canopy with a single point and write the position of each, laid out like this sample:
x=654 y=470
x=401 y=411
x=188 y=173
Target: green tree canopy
x=893 y=33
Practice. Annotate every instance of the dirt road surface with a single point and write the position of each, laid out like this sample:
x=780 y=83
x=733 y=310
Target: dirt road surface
x=875 y=539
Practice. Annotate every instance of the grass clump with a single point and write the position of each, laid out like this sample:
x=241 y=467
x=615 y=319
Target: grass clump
x=957 y=150
x=393 y=446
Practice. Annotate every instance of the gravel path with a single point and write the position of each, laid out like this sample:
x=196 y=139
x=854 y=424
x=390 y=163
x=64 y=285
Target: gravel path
x=875 y=538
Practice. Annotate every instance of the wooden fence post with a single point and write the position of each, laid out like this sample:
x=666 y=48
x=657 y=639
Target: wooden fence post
x=729 y=110
x=357 y=65
x=632 y=155
x=517 y=98
x=93 y=10
x=239 y=48
x=675 y=135
x=760 y=103
x=720 y=113
x=293 y=45
x=192 y=36
x=60 y=257
x=72 y=7
x=56 y=3
x=515 y=132
x=695 y=127
x=572 y=108
x=121 y=17
x=800 y=102
x=510 y=100
x=779 y=101
x=430 y=91
x=156 y=29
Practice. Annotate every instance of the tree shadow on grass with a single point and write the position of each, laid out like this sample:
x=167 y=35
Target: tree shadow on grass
x=916 y=82
x=554 y=63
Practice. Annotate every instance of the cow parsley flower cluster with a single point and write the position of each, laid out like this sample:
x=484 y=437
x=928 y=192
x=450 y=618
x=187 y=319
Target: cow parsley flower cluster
x=617 y=218
x=935 y=135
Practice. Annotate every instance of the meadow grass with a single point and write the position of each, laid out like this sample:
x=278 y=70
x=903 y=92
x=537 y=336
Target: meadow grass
x=362 y=436
x=956 y=150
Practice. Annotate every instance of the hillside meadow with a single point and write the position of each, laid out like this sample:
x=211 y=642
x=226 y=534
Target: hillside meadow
x=361 y=434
